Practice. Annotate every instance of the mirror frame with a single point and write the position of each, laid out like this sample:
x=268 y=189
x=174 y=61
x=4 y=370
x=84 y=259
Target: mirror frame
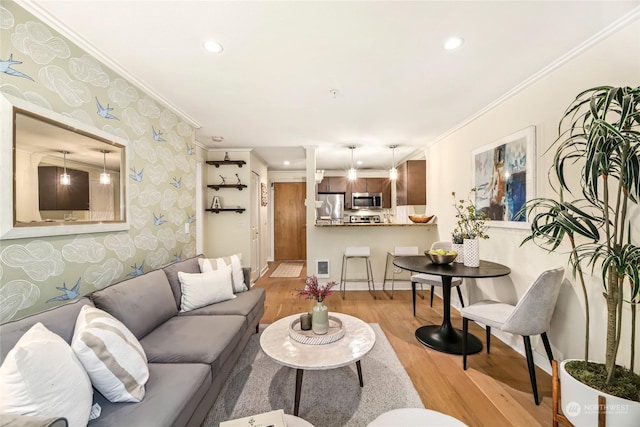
x=8 y=105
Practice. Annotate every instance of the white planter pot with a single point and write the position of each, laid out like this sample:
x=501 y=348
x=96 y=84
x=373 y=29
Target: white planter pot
x=458 y=247
x=471 y=253
x=580 y=404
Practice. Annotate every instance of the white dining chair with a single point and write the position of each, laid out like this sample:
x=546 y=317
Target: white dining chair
x=397 y=251
x=530 y=316
x=433 y=280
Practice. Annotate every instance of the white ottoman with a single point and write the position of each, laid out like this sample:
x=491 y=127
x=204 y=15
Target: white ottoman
x=415 y=417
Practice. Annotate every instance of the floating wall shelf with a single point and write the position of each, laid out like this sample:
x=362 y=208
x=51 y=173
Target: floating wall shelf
x=218 y=187
x=238 y=210
x=217 y=163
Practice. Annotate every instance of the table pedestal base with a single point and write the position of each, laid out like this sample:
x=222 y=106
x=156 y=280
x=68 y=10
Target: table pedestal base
x=447 y=340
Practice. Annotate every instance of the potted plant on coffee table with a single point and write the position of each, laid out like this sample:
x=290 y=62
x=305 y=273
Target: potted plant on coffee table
x=595 y=174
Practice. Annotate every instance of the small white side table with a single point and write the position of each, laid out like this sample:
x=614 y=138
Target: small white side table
x=415 y=417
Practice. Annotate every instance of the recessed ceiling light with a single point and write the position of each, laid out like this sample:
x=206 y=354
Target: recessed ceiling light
x=217 y=138
x=286 y=162
x=359 y=162
x=213 y=46
x=453 y=43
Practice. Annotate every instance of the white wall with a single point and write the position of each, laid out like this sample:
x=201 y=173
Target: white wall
x=613 y=61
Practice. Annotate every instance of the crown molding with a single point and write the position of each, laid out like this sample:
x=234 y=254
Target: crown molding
x=40 y=13
x=614 y=27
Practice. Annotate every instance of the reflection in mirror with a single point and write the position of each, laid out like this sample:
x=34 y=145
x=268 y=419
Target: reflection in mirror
x=67 y=177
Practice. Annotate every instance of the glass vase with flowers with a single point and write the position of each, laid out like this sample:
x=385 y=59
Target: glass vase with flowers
x=320 y=313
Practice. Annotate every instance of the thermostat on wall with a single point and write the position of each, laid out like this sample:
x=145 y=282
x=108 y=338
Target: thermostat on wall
x=322 y=268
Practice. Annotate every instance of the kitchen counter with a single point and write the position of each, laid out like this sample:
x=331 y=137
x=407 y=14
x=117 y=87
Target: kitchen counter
x=350 y=224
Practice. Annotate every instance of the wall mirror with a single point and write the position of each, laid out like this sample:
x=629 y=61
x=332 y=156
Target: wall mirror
x=59 y=176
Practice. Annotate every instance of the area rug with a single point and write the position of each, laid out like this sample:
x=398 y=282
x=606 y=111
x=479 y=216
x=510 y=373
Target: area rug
x=288 y=269
x=330 y=398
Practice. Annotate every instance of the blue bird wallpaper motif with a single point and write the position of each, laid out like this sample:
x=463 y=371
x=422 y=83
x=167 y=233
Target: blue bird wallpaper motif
x=136 y=176
x=67 y=294
x=176 y=182
x=105 y=111
x=157 y=220
x=5 y=67
x=157 y=135
x=137 y=271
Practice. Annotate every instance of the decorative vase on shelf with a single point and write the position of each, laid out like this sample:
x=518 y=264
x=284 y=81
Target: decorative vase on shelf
x=320 y=319
x=471 y=253
x=459 y=248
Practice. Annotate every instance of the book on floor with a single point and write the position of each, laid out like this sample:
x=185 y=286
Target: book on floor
x=266 y=419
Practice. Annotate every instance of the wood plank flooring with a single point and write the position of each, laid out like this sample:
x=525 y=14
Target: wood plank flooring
x=493 y=392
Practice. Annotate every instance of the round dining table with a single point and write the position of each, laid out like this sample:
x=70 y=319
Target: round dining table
x=445 y=337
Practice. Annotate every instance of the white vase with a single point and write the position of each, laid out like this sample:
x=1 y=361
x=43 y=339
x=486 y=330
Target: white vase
x=459 y=248
x=580 y=404
x=320 y=319
x=471 y=253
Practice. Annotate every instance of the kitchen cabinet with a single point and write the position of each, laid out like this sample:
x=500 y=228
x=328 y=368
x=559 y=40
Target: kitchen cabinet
x=53 y=196
x=333 y=184
x=411 y=185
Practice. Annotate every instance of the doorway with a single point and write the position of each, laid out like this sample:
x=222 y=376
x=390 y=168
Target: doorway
x=289 y=221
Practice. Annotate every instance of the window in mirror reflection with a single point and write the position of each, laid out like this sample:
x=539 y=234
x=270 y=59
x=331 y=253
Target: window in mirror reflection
x=64 y=175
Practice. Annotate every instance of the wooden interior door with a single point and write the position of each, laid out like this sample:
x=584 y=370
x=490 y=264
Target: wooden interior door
x=289 y=221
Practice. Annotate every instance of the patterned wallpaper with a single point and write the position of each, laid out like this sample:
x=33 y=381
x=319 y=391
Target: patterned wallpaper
x=40 y=66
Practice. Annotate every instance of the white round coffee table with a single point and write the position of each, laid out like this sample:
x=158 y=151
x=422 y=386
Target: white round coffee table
x=358 y=340
x=415 y=417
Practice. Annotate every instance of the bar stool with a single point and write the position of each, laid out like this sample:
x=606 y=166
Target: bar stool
x=397 y=251
x=363 y=252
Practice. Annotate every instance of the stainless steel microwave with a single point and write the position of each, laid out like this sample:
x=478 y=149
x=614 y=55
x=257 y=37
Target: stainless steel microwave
x=366 y=200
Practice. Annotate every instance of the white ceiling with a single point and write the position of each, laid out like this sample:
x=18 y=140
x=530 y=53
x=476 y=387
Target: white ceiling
x=270 y=88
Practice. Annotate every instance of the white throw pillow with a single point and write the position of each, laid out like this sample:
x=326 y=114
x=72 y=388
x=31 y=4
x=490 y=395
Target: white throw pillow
x=111 y=355
x=41 y=376
x=235 y=261
x=200 y=289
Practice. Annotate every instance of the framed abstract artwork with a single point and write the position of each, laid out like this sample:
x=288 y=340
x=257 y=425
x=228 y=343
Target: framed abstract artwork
x=504 y=178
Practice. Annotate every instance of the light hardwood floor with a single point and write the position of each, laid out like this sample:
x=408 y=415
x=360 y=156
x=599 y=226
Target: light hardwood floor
x=494 y=391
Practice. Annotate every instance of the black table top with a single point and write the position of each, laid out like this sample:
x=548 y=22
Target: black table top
x=423 y=264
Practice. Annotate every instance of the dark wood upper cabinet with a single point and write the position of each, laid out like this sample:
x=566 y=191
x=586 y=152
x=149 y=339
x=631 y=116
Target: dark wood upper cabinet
x=333 y=184
x=411 y=186
x=54 y=196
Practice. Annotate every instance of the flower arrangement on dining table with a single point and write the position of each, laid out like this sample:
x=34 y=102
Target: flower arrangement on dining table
x=315 y=291
x=471 y=224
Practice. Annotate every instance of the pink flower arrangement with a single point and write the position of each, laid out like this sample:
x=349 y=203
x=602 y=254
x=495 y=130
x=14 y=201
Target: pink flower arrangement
x=312 y=290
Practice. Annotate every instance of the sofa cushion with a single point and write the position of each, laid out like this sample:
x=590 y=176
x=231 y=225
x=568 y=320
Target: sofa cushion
x=111 y=355
x=201 y=289
x=141 y=303
x=245 y=304
x=42 y=376
x=188 y=266
x=60 y=320
x=174 y=391
x=235 y=261
x=194 y=339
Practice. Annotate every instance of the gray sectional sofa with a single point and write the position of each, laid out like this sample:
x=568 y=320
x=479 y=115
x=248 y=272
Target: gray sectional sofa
x=190 y=354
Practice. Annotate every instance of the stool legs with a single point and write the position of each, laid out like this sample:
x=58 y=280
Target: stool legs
x=384 y=280
x=343 y=276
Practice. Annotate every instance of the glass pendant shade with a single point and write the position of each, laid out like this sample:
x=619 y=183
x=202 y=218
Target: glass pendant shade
x=352 y=174
x=65 y=179
x=393 y=172
x=105 y=178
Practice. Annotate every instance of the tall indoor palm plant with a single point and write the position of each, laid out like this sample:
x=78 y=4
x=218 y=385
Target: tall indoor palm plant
x=599 y=142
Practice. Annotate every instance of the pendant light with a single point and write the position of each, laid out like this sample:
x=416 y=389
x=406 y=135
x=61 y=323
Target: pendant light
x=393 y=172
x=65 y=179
x=105 y=178
x=352 y=174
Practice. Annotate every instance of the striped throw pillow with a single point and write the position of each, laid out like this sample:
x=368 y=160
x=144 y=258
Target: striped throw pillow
x=111 y=355
x=235 y=261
